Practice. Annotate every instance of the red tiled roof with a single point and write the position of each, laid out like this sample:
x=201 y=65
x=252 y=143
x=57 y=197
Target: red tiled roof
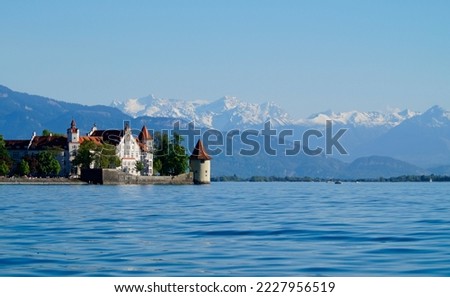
x=38 y=143
x=144 y=135
x=94 y=139
x=48 y=142
x=16 y=144
x=111 y=136
x=199 y=152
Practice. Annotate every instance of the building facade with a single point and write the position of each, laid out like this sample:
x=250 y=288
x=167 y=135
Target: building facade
x=129 y=148
x=58 y=145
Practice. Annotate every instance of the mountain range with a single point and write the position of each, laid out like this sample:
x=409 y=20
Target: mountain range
x=231 y=113
x=386 y=144
x=223 y=114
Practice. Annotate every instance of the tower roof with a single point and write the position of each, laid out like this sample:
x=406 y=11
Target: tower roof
x=144 y=135
x=199 y=152
x=73 y=127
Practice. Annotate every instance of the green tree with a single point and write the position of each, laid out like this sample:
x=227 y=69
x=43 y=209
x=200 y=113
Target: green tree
x=4 y=168
x=99 y=155
x=47 y=164
x=85 y=155
x=139 y=166
x=23 y=168
x=47 y=132
x=105 y=156
x=170 y=155
x=161 y=153
x=5 y=159
x=157 y=165
x=3 y=151
x=33 y=164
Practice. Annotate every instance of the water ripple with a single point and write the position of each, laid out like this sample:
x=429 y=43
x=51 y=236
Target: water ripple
x=226 y=229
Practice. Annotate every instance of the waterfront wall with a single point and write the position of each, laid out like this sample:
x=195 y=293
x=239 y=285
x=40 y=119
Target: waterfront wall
x=114 y=177
x=39 y=181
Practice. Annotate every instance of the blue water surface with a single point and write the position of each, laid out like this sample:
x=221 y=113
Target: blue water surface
x=226 y=229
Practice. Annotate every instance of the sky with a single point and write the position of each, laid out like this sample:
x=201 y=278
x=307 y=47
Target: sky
x=306 y=56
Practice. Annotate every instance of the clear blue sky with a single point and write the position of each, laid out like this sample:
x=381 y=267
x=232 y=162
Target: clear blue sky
x=307 y=56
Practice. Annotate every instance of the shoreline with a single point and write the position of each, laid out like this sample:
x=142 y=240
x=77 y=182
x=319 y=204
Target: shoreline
x=106 y=177
x=41 y=181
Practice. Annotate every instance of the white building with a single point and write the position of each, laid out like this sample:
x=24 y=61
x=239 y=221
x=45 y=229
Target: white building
x=128 y=147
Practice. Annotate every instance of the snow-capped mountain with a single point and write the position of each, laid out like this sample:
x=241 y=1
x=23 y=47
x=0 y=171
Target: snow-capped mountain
x=356 y=118
x=158 y=107
x=423 y=140
x=230 y=112
x=435 y=117
x=224 y=113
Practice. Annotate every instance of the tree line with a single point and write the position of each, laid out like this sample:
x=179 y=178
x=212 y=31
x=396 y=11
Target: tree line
x=403 y=178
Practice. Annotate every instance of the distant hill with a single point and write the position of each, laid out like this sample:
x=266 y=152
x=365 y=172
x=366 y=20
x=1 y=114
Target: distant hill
x=302 y=165
x=441 y=170
x=423 y=140
x=377 y=166
x=21 y=114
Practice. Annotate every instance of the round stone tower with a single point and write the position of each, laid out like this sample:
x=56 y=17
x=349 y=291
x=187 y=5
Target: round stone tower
x=200 y=164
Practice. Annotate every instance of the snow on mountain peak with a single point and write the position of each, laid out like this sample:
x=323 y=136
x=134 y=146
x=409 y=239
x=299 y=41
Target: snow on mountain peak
x=357 y=118
x=229 y=102
x=230 y=112
x=224 y=113
x=435 y=116
x=435 y=110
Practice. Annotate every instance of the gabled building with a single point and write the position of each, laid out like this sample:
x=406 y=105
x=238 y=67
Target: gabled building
x=18 y=149
x=129 y=148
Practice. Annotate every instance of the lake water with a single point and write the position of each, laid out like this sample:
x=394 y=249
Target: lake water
x=226 y=229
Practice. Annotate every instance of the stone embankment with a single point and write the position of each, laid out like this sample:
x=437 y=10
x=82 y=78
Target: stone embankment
x=40 y=181
x=114 y=177
x=102 y=177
